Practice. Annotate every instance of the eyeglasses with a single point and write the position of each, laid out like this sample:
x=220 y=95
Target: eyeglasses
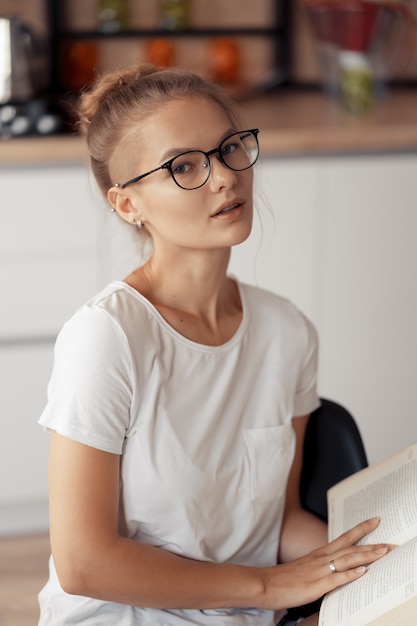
x=191 y=169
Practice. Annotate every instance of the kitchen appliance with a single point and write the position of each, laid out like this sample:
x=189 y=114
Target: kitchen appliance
x=16 y=82
x=361 y=43
x=23 y=77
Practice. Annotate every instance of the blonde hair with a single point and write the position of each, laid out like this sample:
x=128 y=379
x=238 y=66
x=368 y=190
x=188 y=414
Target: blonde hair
x=120 y=100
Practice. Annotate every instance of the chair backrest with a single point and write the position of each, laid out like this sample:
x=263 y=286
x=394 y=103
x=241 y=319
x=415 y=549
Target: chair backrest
x=333 y=450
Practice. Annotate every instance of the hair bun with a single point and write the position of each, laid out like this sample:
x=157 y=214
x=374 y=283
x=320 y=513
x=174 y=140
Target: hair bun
x=105 y=86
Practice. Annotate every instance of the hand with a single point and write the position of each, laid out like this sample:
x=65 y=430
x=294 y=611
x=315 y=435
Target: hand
x=310 y=577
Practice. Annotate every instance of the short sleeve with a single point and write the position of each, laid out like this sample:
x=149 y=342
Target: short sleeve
x=306 y=399
x=89 y=393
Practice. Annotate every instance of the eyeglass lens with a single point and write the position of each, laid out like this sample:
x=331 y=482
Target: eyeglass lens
x=238 y=152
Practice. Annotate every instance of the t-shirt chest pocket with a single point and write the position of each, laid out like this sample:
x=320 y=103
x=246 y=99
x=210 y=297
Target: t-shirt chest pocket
x=270 y=452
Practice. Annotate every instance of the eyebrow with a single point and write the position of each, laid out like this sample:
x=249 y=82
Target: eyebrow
x=173 y=152
x=169 y=154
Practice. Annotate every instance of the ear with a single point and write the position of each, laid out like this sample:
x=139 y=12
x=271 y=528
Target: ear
x=121 y=202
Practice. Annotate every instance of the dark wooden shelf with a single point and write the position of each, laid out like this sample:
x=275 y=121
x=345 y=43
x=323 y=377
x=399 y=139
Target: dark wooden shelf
x=277 y=31
x=159 y=32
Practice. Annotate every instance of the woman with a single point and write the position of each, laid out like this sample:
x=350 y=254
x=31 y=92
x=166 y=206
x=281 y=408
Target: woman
x=179 y=397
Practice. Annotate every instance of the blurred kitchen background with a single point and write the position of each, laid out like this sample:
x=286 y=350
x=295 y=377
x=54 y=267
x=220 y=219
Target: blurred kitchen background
x=337 y=183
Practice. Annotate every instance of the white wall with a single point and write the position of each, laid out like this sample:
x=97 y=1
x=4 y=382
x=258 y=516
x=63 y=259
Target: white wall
x=343 y=249
x=339 y=242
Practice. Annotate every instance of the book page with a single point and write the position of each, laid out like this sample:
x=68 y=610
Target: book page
x=404 y=615
x=388 y=584
x=385 y=490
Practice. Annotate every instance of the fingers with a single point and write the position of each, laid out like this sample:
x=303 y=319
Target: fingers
x=352 y=536
x=354 y=558
x=331 y=580
x=347 y=566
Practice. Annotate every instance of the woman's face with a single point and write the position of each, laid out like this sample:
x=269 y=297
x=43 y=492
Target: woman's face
x=189 y=218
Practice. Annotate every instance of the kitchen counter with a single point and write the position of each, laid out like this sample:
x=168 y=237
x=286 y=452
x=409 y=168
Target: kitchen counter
x=309 y=123
x=291 y=123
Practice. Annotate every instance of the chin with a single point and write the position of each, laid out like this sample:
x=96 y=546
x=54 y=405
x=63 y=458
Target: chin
x=242 y=235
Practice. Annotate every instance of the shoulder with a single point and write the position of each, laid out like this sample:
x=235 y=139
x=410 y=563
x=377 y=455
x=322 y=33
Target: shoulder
x=114 y=307
x=277 y=317
x=102 y=324
x=118 y=325
x=270 y=304
x=260 y=297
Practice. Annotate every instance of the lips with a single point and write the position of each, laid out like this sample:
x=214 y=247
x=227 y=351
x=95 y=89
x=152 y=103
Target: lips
x=227 y=207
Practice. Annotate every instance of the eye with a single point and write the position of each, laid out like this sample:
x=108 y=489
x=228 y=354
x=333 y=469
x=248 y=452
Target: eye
x=229 y=148
x=186 y=164
x=182 y=168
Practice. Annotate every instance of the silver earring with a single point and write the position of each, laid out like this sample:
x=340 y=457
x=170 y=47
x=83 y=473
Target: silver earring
x=139 y=224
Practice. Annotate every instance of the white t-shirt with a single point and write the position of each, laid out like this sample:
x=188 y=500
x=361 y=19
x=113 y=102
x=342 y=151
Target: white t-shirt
x=204 y=432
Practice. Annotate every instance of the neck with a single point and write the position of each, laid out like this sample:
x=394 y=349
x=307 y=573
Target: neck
x=193 y=293
x=195 y=283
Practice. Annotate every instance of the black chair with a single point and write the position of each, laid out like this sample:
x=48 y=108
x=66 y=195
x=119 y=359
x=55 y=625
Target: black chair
x=333 y=450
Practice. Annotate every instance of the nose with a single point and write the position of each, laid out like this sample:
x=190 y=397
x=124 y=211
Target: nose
x=221 y=175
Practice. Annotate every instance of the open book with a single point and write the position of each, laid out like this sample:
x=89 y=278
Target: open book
x=387 y=594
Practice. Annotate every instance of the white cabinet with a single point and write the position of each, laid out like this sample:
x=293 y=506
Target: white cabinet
x=48 y=266
x=48 y=255
x=369 y=299
x=342 y=247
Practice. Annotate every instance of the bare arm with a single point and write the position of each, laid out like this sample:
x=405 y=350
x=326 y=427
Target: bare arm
x=93 y=559
x=301 y=531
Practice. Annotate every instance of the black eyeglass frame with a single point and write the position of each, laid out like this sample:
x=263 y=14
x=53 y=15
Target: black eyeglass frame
x=168 y=164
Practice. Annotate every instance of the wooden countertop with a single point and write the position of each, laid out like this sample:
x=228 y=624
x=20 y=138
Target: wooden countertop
x=291 y=123
x=309 y=123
